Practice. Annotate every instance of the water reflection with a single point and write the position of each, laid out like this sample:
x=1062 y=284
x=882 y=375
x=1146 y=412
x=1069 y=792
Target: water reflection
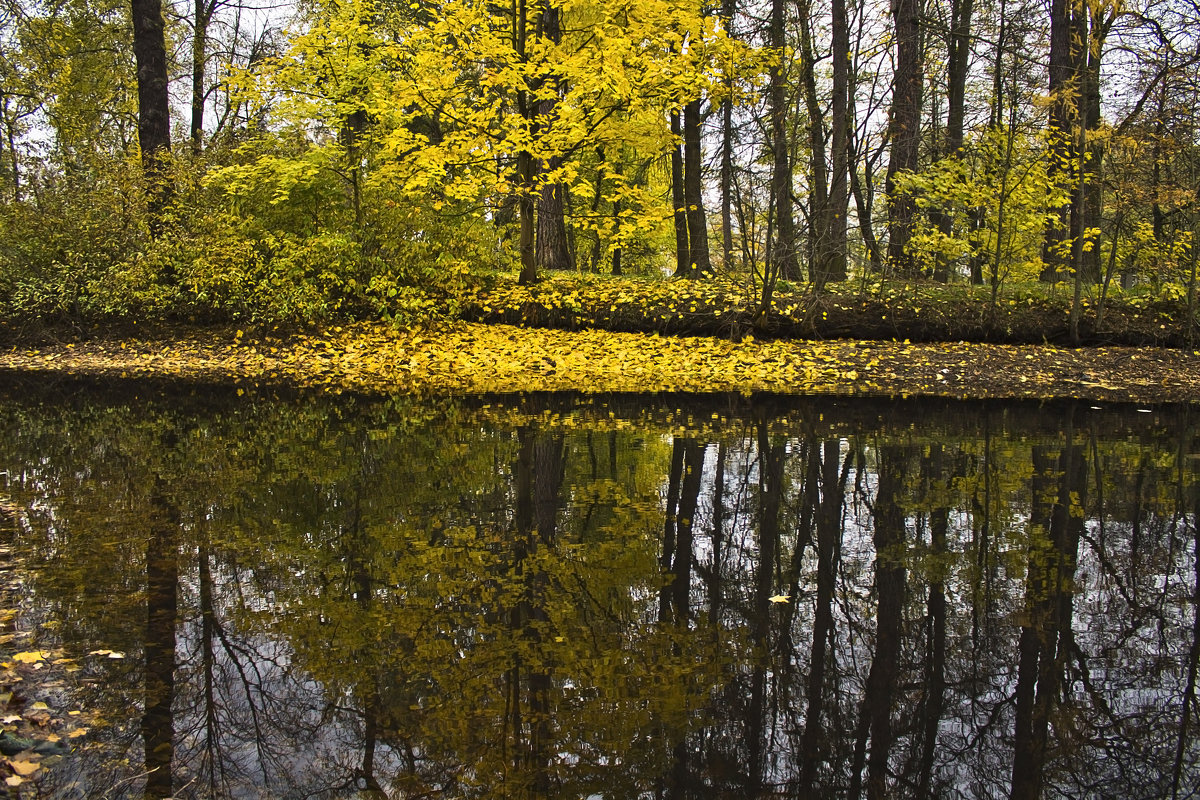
x=622 y=598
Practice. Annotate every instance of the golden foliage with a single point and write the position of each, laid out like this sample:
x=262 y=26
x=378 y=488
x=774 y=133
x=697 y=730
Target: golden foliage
x=475 y=358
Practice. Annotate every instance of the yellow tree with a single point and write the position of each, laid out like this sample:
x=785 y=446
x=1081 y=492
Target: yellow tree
x=458 y=105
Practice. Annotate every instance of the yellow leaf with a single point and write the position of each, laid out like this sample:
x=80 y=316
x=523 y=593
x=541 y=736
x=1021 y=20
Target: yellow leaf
x=780 y=598
x=23 y=768
x=30 y=657
x=107 y=653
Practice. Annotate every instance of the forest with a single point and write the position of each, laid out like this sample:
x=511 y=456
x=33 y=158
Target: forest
x=237 y=161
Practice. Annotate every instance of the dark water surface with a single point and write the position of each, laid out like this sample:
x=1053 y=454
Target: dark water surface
x=622 y=597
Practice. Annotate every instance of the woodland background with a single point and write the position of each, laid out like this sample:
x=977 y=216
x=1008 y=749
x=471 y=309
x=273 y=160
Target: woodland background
x=245 y=161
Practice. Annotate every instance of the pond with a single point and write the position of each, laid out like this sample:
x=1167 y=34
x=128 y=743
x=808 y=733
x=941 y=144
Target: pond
x=217 y=595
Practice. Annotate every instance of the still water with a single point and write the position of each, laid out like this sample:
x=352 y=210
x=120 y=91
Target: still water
x=614 y=597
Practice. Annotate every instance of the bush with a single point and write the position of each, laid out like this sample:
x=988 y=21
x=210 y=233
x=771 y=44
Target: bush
x=65 y=237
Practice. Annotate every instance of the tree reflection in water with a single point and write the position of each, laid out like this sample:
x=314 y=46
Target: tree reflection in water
x=614 y=598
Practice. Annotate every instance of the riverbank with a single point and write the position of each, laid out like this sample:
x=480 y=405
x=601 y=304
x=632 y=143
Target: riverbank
x=919 y=311
x=472 y=358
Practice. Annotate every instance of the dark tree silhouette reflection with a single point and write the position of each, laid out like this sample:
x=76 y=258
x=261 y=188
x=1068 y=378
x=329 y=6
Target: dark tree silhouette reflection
x=609 y=598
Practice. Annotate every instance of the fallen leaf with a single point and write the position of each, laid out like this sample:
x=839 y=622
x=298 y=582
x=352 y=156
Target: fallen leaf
x=30 y=657
x=107 y=653
x=23 y=768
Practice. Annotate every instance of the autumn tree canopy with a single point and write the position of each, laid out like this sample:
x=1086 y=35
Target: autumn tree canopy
x=342 y=157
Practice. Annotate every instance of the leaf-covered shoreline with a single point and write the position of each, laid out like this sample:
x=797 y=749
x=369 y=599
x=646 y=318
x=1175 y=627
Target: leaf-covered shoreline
x=467 y=358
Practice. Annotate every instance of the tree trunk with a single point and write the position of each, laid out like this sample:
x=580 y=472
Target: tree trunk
x=890 y=579
x=728 y=7
x=1047 y=638
x=526 y=209
x=1079 y=186
x=553 y=250
x=201 y=17
x=689 y=498
x=959 y=52
x=829 y=534
x=1193 y=668
x=671 y=526
x=770 y=482
x=154 y=118
x=935 y=650
x=958 y=48
x=1093 y=200
x=727 y=185
x=553 y=247
x=818 y=204
x=693 y=190
x=162 y=615
x=904 y=129
x=1065 y=74
x=679 y=201
x=526 y=205
x=834 y=263
x=713 y=580
x=597 y=193
x=782 y=255
x=864 y=204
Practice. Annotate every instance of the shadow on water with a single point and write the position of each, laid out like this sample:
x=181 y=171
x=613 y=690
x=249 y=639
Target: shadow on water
x=549 y=596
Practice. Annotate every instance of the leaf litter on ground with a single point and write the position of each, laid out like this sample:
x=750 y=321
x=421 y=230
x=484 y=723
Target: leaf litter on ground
x=472 y=358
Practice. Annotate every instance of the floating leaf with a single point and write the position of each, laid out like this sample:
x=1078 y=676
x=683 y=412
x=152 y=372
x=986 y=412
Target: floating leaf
x=30 y=657
x=107 y=653
x=780 y=598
